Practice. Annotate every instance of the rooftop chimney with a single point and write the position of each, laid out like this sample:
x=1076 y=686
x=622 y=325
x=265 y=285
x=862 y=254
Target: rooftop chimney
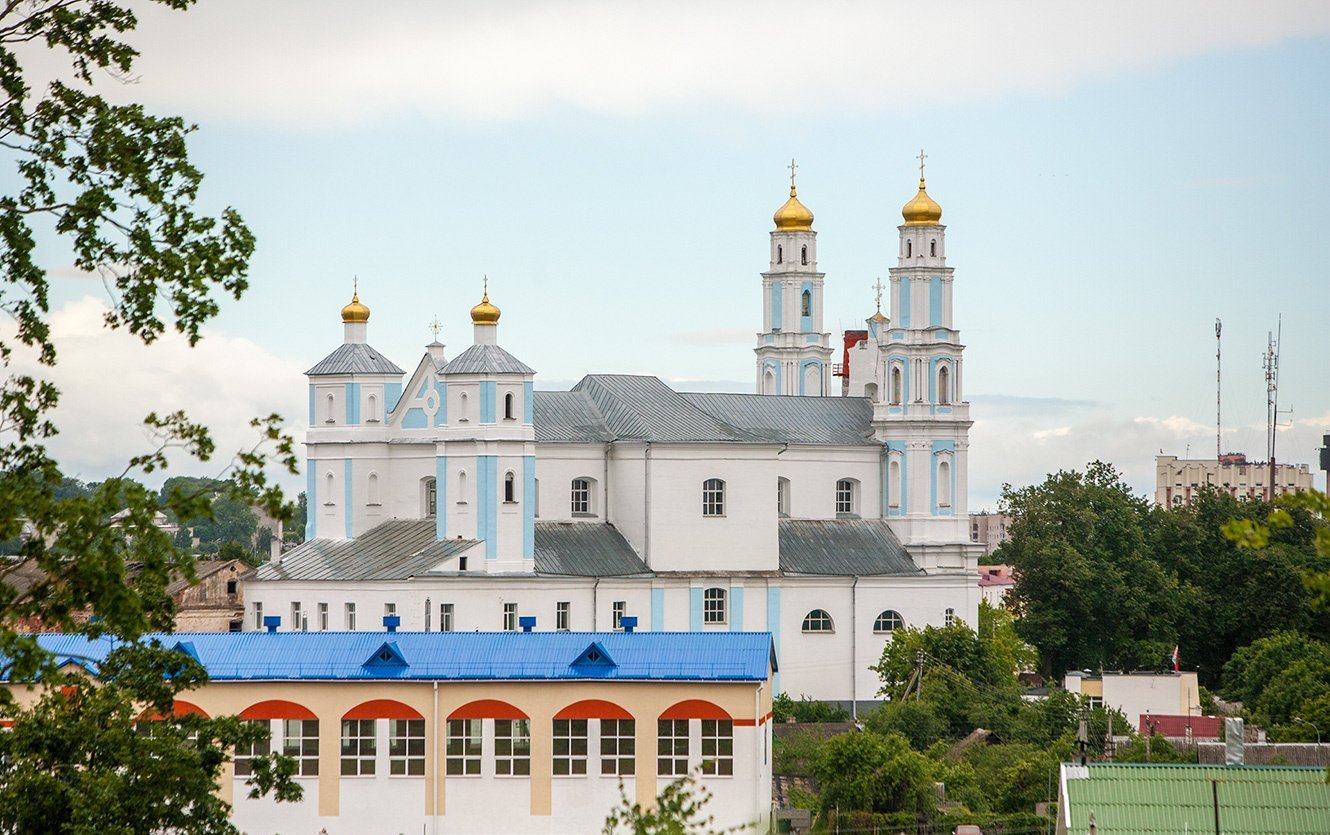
x=527 y=622
x=391 y=622
x=271 y=622
x=628 y=623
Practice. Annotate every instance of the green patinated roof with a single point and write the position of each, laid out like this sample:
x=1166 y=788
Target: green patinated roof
x=1168 y=799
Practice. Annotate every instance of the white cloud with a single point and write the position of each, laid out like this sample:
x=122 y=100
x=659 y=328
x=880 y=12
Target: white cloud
x=301 y=64
x=109 y=382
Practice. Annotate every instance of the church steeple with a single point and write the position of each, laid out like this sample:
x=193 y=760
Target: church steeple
x=793 y=354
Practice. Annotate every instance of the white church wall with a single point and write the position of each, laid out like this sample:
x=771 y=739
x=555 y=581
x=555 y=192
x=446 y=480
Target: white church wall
x=556 y=467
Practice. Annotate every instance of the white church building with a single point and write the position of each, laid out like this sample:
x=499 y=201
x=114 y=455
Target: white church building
x=458 y=497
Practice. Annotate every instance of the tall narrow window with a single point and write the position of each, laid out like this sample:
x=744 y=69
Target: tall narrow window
x=896 y=385
x=406 y=747
x=350 y=617
x=780 y=254
x=713 y=497
x=894 y=485
x=671 y=747
x=464 y=413
x=371 y=409
x=718 y=747
x=617 y=611
x=943 y=385
x=932 y=248
x=950 y=617
x=328 y=492
x=508 y=413
x=713 y=606
x=806 y=304
x=431 y=497
x=803 y=255
x=943 y=484
x=463 y=748
x=846 y=500
x=372 y=489
x=323 y=617
x=331 y=412
x=300 y=741
x=562 y=615
x=445 y=617
x=570 y=747
x=510 y=617
x=297 y=622
x=429 y=612
x=909 y=249
x=359 y=747
x=509 y=487
x=261 y=748
x=618 y=746
x=461 y=487
x=258 y=614
x=581 y=495
x=783 y=497
x=512 y=747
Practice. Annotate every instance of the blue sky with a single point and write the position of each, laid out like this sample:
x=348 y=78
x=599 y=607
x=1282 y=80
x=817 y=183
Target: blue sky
x=1113 y=179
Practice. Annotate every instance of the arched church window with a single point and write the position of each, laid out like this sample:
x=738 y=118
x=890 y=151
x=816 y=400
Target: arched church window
x=461 y=487
x=430 y=497
x=896 y=384
x=508 y=407
x=943 y=385
x=331 y=417
x=780 y=254
x=932 y=247
x=888 y=621
x=509 y=487
x=943 y=484
x=803 y=255
x=909 y=249
x=806 y=307
x=847 y=498
x=894 y=483
x=464 y=413
x=372 y=489
x=870 y=391
x=769 y=381
x=328 y=493
x=372 y=409
x=581 y=495
x=818 y=620
x=713 y=497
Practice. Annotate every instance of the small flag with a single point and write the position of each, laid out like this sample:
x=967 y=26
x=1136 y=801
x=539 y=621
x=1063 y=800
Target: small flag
x=1175 y=658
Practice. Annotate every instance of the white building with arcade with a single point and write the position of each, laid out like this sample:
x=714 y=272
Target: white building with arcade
x=458 y=497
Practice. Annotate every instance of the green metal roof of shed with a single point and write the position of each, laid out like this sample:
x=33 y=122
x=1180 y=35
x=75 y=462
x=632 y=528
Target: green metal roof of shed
x=1150 y=799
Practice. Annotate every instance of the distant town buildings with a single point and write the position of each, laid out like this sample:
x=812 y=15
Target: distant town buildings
x=994 y=583
x=1178 y=480
x=990 y=530
x=1139 y=695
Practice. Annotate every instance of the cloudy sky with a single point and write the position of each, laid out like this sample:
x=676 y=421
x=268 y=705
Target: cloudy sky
x=1114 y=177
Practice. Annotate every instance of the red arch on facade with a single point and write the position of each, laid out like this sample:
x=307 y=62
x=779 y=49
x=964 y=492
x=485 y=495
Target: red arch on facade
x=382 y=709
x=695 y=709
x=593 y=709
x=180 y=708
x=487 y=709
x=277 y=709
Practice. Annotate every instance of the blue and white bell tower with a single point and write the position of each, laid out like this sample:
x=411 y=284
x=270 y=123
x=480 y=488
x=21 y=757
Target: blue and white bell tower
x=793 y=353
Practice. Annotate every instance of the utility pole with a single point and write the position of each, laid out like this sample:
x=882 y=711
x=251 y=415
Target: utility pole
x=1219 y=379
x=1271 y=365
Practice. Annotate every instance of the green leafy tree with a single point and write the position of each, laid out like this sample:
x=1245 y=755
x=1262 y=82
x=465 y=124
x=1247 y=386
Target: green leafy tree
x=874 y=773
x=1090 y=592
x=115 y=185
x=680 y=809
x=1254 y=667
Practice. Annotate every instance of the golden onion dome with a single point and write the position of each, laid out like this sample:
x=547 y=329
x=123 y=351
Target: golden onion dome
x=485 y=313
x=793 y=216
x=922 y=210
x=879 y=316
x=355 y=311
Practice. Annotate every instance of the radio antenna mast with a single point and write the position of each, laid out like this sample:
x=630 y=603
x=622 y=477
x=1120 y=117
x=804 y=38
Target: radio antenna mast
x=1272 y=399
x=1219 y=379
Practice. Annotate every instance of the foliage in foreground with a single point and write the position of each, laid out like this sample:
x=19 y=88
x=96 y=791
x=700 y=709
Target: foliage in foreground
x=680 y=809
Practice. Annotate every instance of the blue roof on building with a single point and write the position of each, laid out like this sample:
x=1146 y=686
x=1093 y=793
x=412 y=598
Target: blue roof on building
x=454 y=656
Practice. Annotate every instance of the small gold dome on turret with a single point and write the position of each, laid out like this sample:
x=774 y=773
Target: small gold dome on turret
x=793 y=216
x=485 y=313
x=355 y=311
x=922 y=210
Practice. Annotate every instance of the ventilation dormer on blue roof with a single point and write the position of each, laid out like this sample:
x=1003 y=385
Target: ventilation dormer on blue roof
x=387 y=655
x=187 y=647
x=594 y=656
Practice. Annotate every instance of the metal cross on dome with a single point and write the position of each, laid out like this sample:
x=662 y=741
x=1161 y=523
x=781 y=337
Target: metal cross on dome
x=878 y=287
x=435 y=327
x=792 y=169
x=922 y=157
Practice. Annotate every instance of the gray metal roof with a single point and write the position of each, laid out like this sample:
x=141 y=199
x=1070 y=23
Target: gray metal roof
x=842 y=547
x=486 y=359
x=355 y=358
x=607 y=407
x=395 y=550
x=585 y=549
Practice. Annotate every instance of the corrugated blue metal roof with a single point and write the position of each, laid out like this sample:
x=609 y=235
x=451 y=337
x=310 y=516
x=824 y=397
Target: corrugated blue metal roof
x=459 y=656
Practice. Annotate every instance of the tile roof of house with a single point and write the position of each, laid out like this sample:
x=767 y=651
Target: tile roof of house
x=608 y=407
x=354 y=358
x=456 y=656
x=1181 y=799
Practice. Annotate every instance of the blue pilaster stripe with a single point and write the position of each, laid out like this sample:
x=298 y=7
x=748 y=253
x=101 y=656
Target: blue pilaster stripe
x=806 y=322
x=777 y=291
x=528 y=402
x=488 y=393
x=311 y=500
x=736 y=608
x=487 y=510
x=935 y=300
x=392 y=393
x=528 y=507
x=348 y=510
x=773 y=626
x=353 y=404
x=441 y=390
x=904 y=318
x=695 y=609
x=658 y=610
x=440 y=493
